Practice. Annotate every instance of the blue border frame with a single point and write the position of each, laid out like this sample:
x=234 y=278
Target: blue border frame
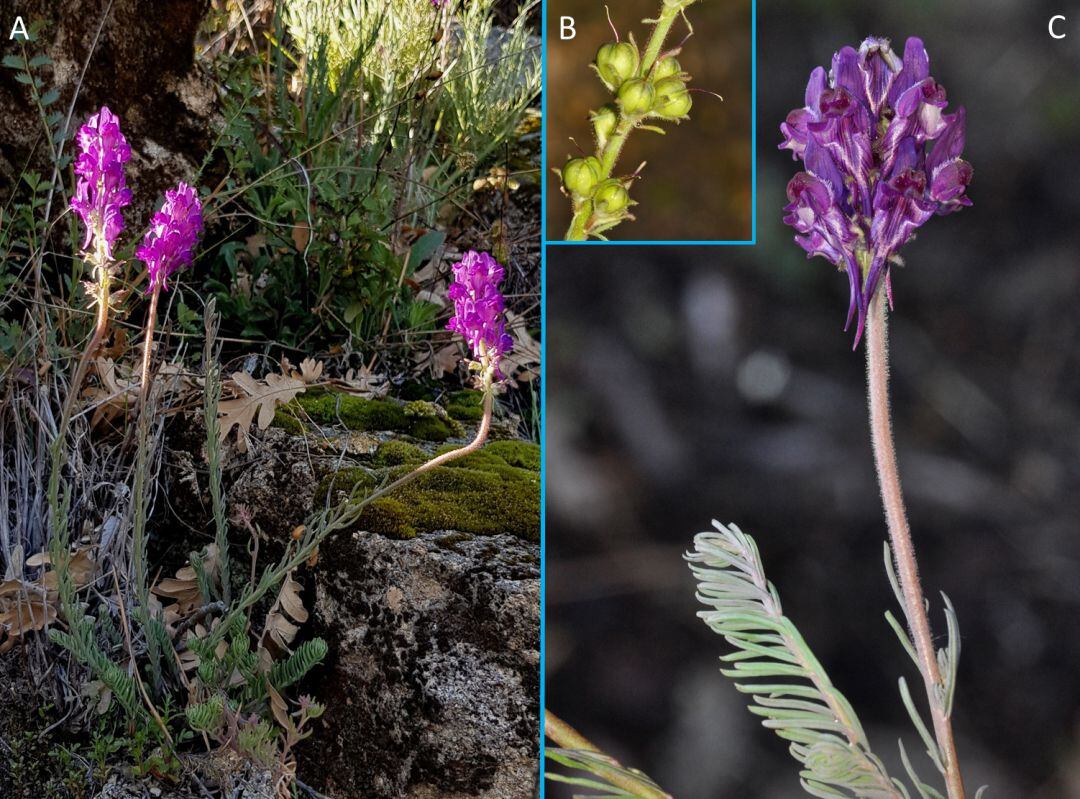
x=544 y=175
x=544 y=244
x=542 y=776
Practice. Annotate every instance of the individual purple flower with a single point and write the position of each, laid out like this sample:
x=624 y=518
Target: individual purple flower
x=479 y=309
x=170 y=242
x=100 y=192
x=880 y=156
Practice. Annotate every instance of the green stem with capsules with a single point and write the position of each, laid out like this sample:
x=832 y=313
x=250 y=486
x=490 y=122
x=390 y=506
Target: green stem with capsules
x=608 y=154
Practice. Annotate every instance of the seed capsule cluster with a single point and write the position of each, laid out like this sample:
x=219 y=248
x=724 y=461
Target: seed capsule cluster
x=647 y=88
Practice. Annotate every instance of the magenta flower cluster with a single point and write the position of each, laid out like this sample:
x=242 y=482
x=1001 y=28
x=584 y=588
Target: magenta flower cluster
x=100 y=192
x=170 y=242
x=479 y=308
x=880 y=156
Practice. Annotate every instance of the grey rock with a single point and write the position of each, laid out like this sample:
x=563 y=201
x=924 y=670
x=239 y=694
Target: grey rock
x=433 y=677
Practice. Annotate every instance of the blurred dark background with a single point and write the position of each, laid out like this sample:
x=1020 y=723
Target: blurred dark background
x=697 y=182
x=687 y=384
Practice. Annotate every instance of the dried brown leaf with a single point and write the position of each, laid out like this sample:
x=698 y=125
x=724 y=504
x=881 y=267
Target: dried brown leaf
x=23 y=617
x=280 y=629
x=259 y=397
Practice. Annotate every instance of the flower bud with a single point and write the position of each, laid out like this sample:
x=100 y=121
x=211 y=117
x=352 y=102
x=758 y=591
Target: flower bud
x=636 y=97
x=616 y=62
x=610 y=197
x=666 y=67
x=580 y=175
x=604 y=121
x=672 y=99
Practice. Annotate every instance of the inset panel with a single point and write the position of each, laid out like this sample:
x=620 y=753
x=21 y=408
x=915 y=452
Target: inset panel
x=640 y=145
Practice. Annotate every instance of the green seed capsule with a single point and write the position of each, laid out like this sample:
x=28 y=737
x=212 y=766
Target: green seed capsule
x=672 y=99
x=636 y=96
x=604 y=121
x=666 y=67
x=617 y=62
x=580 y=175
x=611 y=197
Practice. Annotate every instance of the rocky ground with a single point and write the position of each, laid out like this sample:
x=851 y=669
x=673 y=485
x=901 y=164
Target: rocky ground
x=432 y=681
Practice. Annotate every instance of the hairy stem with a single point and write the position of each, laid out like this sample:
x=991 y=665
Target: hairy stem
x=568 y=738
x=579 y=225
x=877 y=383
x=148 y=345
x=661 y=29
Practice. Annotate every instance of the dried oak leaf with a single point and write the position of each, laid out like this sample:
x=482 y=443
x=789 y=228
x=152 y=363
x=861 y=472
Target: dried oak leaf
x=363 y=382
x=26 y=614
x=261 y=397
x=81 y=567
x=184 y=588
x=114 y=395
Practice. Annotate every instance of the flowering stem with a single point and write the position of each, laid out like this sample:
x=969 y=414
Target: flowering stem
x=661 y=28
x=877 y=383
x=446 y=457
x=568 y=738
x=151 y=321
x=319 y=530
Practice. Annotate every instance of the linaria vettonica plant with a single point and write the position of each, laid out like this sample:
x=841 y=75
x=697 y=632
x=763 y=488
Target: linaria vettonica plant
x=881 y=158
x=226 y=689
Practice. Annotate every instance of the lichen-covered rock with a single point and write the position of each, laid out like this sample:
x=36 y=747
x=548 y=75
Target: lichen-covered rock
x=276 y=484
x=433 y=678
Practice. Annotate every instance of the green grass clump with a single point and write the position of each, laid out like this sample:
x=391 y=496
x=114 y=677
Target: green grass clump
x=466 y=405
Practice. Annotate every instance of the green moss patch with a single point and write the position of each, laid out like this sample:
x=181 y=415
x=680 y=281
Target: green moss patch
x=466 y=405
x=398 y=453
x=473 y=501
x=495 y=490
x=340 y=484
x=420 y=419
x=389 y=517
x=497 y=456
x=287 y=421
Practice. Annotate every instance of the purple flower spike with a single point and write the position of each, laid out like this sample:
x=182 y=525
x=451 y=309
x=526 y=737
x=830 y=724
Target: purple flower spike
x=170 y=242
x=479 y=308
x=100 y=193
x=881 y=157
